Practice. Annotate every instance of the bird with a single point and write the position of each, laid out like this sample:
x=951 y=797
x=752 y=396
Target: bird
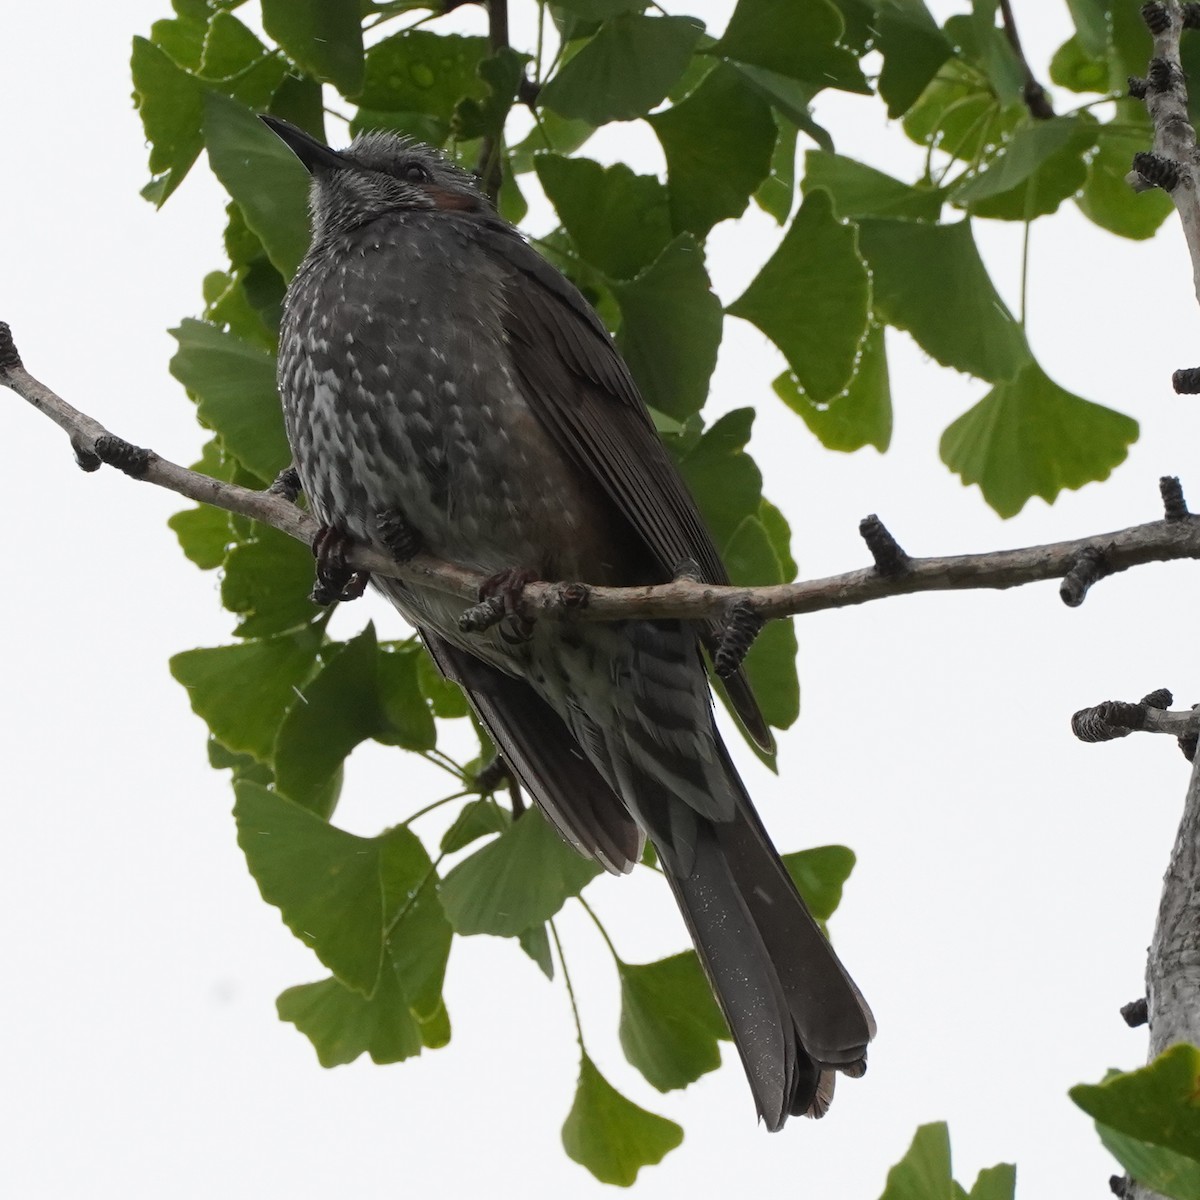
x=447 y=389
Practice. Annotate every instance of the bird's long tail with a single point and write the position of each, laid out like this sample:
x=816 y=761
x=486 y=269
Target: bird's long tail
x=795 y=1014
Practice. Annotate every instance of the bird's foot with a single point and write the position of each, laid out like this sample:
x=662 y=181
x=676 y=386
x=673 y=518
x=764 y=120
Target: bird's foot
x=500 y=604
x=335 y=580
x=741 y=626
x=287 y=484
x=401 y=539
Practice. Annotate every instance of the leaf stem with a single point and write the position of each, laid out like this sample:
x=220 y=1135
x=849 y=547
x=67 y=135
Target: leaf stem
x=541 y=29
x=985 y=117
x=591 y=912
x=430 y=807
x=445 y=762
x=570 y=989
x=399 y=12
x=1110 y=98
x=412 y=898
x=1025 y=260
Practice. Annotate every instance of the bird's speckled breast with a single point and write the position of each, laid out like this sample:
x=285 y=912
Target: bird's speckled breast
x=399 y=393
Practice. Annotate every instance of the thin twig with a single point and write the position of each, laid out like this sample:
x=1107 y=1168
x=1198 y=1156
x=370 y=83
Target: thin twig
x=490 y=168
x=1034 y=95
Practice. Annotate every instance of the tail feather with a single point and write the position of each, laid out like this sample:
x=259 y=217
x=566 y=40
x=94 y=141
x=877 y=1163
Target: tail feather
x=744 y=980
x=796 y=1016
x=832 y=1018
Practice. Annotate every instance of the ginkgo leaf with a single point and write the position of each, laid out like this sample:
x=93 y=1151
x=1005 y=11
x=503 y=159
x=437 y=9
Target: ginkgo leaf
x=519 y=880
x=670 y=1023
x=1029 y=437
x=611 y=1136
x=812 y=298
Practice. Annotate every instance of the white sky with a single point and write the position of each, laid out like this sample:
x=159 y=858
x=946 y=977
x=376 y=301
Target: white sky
x=1008 y=875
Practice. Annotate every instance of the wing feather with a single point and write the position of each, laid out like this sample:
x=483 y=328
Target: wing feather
x=583 y=392
x=547 y=760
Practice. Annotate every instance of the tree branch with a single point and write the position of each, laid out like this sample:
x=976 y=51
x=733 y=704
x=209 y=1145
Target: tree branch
x=1172 y=165
x=490 y=166
x=1035 y=96
x=1117 y=719
x=1082 y=559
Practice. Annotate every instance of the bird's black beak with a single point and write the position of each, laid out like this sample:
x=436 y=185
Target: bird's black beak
x=315 y=156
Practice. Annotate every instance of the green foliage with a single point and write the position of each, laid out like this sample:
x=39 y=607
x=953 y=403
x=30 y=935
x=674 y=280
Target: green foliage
x=475 y=820
x=919 y=273
x=924 y=1173
x=612 y=1136
x=624 y=70
x=203 y=534
x=670 y=1022
x=619 y=222
x=671 y=328
x=1041 y=166
x=414 y=82
x=233 y=384
x=812 y=298
x=520 y=880
x=322 y=37
x=360 y=692
x=861 y=415
x=263 y=176
x=798 y=41
x=862 y=257
x=718 y=143
x=242 y=692
x=820 y=874
x=368 y=908
x=1030 y=437
x=913 y=49
x=862 y=191
x=1150 y=1120
x=265 y=581
x=1106 y=198
x=342 y=1023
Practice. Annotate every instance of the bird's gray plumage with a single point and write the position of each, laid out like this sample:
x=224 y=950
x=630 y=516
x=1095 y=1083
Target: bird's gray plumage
x=432 y=364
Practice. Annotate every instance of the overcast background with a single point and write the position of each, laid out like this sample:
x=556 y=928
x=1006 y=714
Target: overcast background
x=1008 y=875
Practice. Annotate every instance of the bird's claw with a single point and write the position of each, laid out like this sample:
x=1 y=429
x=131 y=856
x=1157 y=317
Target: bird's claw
x=335 y=579
x=403 y=542
x=741 y=626
x=500 y=604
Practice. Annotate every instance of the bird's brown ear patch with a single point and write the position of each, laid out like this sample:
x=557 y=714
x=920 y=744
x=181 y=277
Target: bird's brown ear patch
x=449 y=201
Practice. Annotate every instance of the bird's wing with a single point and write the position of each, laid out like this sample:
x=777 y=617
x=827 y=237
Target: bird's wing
x=584 y=394
x=546 y=759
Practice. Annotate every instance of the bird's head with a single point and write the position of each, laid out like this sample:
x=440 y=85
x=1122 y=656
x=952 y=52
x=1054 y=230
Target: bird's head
x=376 y=174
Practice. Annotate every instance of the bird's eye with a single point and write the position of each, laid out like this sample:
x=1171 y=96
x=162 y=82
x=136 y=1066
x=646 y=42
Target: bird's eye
x=414 y=172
